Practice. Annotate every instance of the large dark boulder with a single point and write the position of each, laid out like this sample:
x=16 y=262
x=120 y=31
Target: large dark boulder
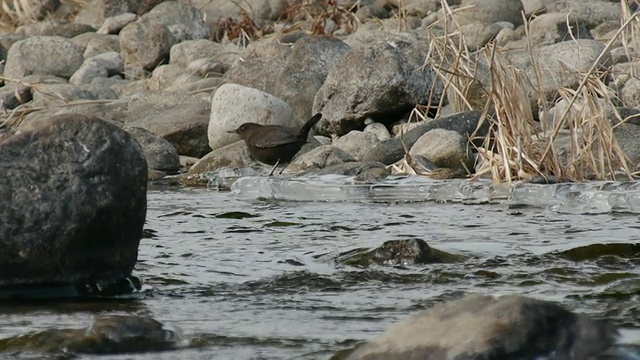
x=72 y=202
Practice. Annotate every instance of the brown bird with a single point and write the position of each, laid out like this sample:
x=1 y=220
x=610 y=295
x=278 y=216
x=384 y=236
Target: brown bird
x=275 y=144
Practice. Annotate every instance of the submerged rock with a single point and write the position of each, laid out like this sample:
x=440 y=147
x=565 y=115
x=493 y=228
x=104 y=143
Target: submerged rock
x=113 y=334
x=491 y=328
x=398 y=252
x=72 y=202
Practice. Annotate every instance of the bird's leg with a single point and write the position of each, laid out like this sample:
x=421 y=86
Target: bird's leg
x=282 y=169
x=274 y=167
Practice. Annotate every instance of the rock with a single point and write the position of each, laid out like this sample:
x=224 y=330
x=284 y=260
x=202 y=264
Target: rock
x=398 y=253
x=184 y=21
x=206 y=86
x=165 y=76
x=61 y=93
x=107 y=334
x=380 y=81
x=477 y=34
x=181 y=119
x=232 y=105
x=234 y=155
x=12 y=96
x=262 y=11
x=379 y=130
x=630 y=93
x=96 y=13
x=54 y=27
x=318 y=158
x=306 y=70
x=552 y=28
x=47 y=55
x=101 y=44
x=184 y=53
x=73 y=202
x=444 y=148
x=558 y=65
x=114 y=24
x=593 y=12
x=205 y=68
x=86 y=73
x=627 y=136
x=145 y=44
x=257 y=73
x=392 y=150
x=488 y=327
x=357 y=169
x=489 y=11
x=158 y=152
x=356 y=143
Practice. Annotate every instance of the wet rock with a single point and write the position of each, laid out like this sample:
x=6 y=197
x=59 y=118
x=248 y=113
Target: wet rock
x=444 y=148
x=381 y=81
x=73 y=202
x=111 y=334
x=392 y=150
x=357 y=143
x=181 y=119
x=232 y=105
x=158 y=152
x=306 y=70
x=487 y=327
x=113 y=25
x=145 y=44
x=318 y=158
x=398 y=252
x=47 y=55
x=595 y=251
x=357 y=169
x=234 y=155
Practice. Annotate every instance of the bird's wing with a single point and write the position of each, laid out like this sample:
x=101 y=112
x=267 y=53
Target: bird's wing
x=274 y=138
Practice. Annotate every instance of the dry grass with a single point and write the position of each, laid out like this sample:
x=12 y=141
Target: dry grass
x=517 y=147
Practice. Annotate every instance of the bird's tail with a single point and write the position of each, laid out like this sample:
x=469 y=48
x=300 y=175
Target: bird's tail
x=304 y=130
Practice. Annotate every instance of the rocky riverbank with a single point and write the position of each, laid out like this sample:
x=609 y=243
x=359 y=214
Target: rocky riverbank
x=397 y=85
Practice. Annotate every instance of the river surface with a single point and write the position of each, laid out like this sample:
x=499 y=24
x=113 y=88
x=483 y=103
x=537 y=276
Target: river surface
x=257 y=280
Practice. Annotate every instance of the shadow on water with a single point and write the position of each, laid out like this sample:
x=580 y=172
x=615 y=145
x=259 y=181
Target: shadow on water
x=263 y=280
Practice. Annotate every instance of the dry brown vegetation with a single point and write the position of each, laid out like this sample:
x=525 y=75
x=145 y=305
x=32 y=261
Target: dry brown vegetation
x=517 y=146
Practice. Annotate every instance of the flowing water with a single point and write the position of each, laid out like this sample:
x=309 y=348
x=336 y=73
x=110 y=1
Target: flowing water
x=257 y=280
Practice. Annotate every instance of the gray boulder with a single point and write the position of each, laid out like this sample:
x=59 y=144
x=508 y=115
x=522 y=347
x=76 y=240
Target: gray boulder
x=382 y=81
x=444 y=148
x=145 y=44
x=490 y=11
x=160 y=154
x=392 y=150
x=184 y=21
x=487 y=327
x=306 y=70
x=46 y=55
x=179 y=118
x=318 y=158
x=72 y=200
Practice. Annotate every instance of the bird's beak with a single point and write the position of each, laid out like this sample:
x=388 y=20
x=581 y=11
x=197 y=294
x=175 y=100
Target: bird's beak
x=232 y=132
